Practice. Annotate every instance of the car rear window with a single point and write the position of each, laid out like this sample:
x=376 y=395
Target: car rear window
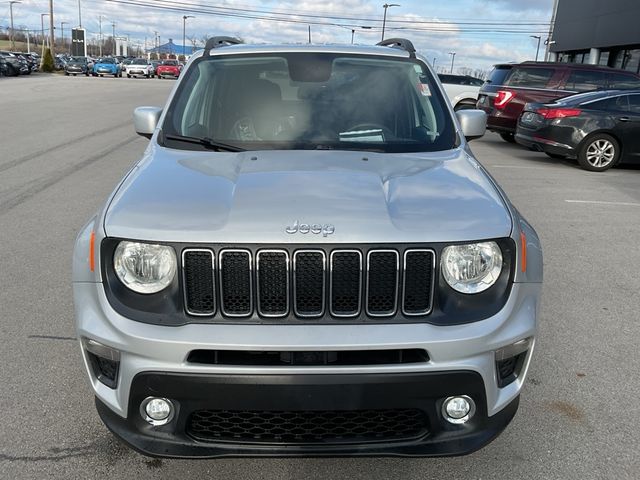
x=585 y=80
x=531 y=77
x=497 y=75
x=623 y=81
x=612 y=104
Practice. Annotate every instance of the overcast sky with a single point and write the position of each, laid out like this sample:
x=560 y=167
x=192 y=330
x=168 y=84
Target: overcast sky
x=481 y=32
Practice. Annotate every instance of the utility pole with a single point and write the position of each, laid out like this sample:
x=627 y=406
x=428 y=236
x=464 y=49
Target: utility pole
x=184 y=29
x=433 y=65
x=384 y=21
x=453 y=57
x=538 y=48
x=13 y=42
x=309 y=33
x=62 y=24
x=79 y=15
x=52 y=33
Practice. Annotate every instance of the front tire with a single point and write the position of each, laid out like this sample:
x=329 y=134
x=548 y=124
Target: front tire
x=599 y=152
x=508 y=137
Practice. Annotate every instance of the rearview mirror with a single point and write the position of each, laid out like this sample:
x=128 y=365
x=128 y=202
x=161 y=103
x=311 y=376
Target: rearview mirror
x=473 y=123
x=145 y=120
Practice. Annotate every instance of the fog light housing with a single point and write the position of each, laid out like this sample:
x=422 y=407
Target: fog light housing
x=459 y=409
x=104 y=360
x=157 y=411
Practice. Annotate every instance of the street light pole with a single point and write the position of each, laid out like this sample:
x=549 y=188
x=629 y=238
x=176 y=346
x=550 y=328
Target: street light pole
x=62 y=24
x=100 y=40
x=184 y=34
x=13 y=42
x=538 y=48
x=42 y=15
x=384 y=21
x=113 y=26
x=453 y=57
x=79 y=15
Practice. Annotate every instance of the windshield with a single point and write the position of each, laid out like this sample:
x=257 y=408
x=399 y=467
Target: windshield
x=170 y=62
x=139 y=61
x=106 y=60
x=311 y=100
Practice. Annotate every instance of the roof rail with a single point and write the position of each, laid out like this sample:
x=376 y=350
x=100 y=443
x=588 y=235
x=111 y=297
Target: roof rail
x=401 y=43
x=217 y=42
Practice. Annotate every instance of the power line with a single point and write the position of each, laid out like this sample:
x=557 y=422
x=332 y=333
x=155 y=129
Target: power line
x=436 y=27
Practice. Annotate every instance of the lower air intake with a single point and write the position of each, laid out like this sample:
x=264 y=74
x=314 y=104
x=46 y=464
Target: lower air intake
x=307 y=427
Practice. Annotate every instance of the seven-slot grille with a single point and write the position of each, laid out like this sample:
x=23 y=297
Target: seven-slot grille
x=310 y=283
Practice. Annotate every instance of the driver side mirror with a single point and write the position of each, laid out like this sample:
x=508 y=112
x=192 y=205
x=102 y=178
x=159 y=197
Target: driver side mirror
x=145 y=120
x=473 y=123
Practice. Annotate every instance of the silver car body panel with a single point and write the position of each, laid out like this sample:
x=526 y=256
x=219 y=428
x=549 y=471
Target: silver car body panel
x=246 y=196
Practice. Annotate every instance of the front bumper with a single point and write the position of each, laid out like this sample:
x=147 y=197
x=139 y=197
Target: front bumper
x=311 y=393
x=153 y=361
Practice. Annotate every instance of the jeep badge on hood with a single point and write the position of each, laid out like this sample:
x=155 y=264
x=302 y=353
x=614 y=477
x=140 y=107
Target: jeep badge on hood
x=315 y=228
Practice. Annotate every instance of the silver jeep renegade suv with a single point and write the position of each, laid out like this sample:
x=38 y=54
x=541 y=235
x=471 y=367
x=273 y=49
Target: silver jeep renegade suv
x=307 y=260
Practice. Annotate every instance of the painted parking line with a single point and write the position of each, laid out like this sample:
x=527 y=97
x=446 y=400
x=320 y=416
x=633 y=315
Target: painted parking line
x=598 y=202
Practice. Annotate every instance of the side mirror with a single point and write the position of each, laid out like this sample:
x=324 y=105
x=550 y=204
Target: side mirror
x=145 y=120
x=473 y=123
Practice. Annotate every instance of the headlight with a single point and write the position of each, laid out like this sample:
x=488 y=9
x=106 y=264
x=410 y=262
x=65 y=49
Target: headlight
x=471 y=268
x=143 y=267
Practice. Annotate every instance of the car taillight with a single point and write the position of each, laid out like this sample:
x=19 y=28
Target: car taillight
x=503 y=97
x=550 y=113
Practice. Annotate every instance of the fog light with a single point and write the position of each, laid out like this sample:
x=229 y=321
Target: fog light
x=459 y=409
x=157 y=411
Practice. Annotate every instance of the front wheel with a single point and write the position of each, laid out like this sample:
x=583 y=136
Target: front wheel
x=599 y=152
x=508 y=137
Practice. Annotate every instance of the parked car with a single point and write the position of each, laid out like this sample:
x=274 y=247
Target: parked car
x=462 y=90
x=168 y=68
x=125 y=63
x=77 y=65
x=31 y=61
x=139 y=67
x=17 y=62
x=107 y=66
x=601 y=129
x=307 y=260
x=511 y=86
x=11 y=65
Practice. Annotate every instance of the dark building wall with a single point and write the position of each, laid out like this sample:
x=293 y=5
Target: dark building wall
x=583 y=24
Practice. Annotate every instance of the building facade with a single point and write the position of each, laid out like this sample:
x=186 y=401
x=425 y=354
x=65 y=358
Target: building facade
x=597 y=32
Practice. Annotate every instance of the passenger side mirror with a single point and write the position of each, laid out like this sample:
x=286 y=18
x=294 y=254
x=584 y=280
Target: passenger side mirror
x=145 y=120
x=473 y=123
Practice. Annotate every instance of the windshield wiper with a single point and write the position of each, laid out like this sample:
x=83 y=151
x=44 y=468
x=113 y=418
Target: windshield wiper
x=205 y=142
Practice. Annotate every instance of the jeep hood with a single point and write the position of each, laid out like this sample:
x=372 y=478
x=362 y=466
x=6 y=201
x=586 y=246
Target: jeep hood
x=251 y=197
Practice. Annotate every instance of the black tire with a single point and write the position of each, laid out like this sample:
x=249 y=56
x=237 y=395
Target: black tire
x=508 y=137
x=556 y=156
x=66 y=74
x=101 y=76
x=74 y=74
x=128 y=76
x=599 y=152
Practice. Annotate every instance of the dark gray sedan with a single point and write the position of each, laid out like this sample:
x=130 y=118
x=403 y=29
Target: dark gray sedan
x=601 y=129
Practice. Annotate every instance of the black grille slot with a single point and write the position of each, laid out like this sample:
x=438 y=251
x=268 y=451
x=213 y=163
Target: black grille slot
x=307 y=427
x=346 y=283
x=418 y=282
x=273 y=283
x=308 y=358
x=382 y=282
x=199 y=282
x=309 y=281
x=235 y=283
x=509 y=369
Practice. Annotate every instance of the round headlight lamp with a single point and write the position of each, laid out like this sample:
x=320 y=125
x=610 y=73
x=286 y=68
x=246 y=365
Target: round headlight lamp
x=471 y=268
x=144 y=267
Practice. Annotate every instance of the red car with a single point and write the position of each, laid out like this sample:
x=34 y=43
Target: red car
x=169 y=68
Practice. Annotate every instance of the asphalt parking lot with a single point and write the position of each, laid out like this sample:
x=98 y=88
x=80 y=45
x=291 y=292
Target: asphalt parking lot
x=64 y=144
